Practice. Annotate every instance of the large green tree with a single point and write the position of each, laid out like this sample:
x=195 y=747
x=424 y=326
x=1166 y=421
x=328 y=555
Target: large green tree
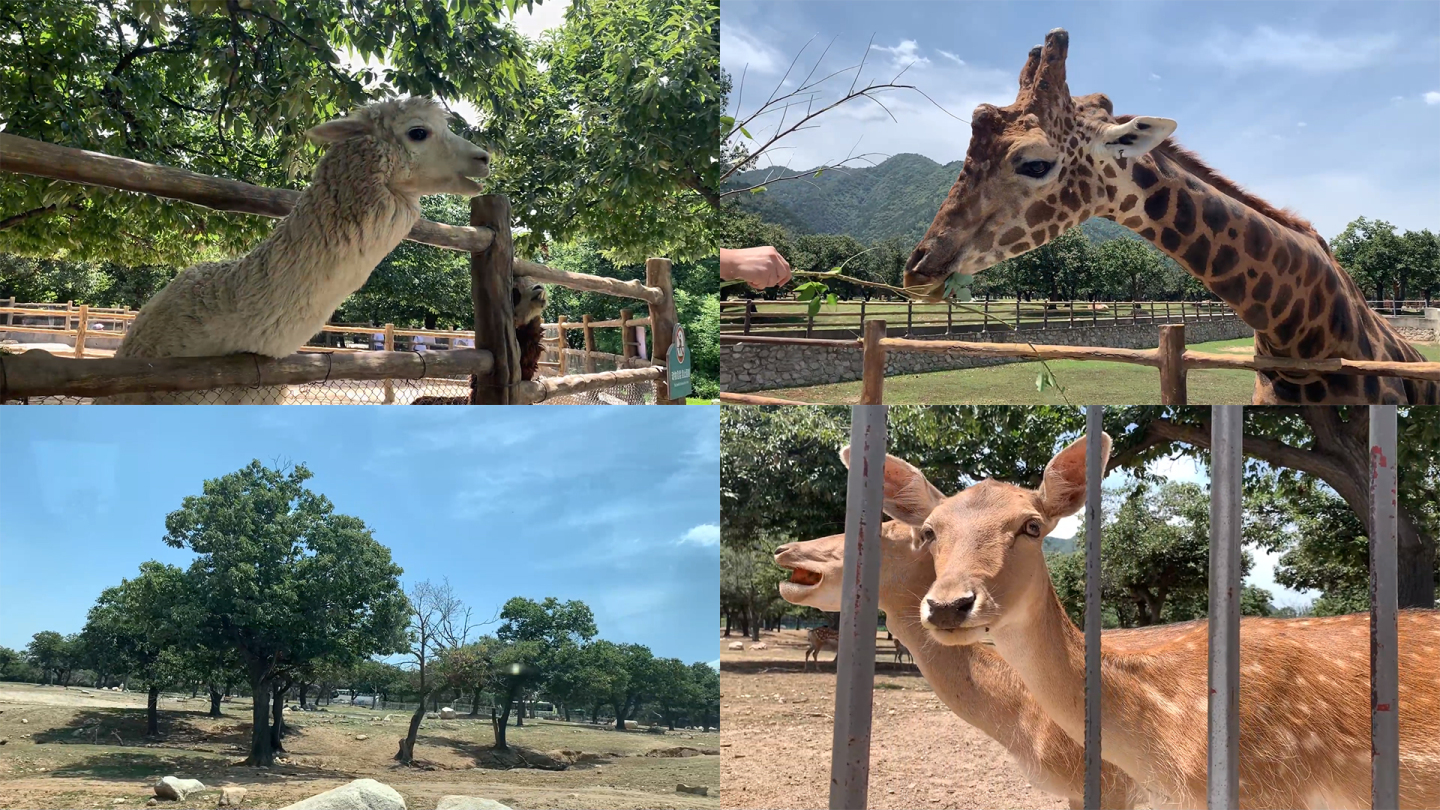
x=283 y=579
x=55 y=655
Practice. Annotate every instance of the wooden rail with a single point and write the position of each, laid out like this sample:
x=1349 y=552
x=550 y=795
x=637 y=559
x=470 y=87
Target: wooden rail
x=753 y=399
x=1170 y=358
x=539 y=390
x=41 y=374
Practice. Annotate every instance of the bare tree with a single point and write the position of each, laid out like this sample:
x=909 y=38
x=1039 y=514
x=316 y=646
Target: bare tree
x=439 y=621
x=785 y=113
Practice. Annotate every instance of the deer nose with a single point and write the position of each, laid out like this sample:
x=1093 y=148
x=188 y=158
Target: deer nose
x=949 y=615
x=782 y=549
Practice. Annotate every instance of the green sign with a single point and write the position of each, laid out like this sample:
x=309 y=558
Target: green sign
x=677 y=366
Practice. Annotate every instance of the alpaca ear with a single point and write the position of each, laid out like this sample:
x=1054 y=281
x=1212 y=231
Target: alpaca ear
x=1063 y=491
x=340 y=129
x=1134 y=137
x=909 y=496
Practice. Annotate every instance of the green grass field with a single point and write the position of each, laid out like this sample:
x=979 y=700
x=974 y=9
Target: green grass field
x=1085 y=383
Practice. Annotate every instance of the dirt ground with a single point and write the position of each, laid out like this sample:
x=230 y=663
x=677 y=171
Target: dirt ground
x=776 y=727
x=64 y=748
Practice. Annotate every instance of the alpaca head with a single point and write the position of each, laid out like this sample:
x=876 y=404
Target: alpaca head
x=527 y=298
x=427 y=158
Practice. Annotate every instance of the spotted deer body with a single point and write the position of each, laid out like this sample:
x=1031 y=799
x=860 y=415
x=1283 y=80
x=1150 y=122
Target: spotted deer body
x=1050 y=161
x=821 y=639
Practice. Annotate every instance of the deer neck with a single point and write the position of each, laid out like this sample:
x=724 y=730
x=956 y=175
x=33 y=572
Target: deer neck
x=1281 y=281
x=1047 y=651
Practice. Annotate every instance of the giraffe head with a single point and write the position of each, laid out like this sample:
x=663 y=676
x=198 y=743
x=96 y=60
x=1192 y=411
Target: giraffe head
x=1034 y=169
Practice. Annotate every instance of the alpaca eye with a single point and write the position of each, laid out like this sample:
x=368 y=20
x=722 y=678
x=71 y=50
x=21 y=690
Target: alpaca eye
x=1033 y=528
x=1035 y=168
x=418 y=133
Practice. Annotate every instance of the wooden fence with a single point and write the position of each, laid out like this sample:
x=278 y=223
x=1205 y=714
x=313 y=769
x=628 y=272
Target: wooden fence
x=493 y=366
x=750 y=316
x=1170 y=358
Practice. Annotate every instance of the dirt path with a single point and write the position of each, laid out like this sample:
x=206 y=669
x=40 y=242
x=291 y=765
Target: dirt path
x=776 y=727
x=65 y=748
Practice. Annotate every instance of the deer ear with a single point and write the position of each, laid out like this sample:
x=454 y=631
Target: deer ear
x=909 y=496
x=1134 y=137
x=340 y=129
x=1063 y=490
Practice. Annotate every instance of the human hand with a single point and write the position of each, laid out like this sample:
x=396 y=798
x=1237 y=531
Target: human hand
x=760 y=267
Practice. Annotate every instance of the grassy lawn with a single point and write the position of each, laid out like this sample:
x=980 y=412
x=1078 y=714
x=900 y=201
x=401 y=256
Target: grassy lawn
x=1085 y=383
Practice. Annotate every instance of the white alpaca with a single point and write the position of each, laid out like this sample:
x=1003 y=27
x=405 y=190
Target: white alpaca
x=364 y=199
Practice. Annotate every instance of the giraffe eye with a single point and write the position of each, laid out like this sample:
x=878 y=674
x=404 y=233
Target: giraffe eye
x=1035 y=168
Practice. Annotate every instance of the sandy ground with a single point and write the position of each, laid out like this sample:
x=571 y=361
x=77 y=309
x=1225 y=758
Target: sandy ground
x=776 y=728
x=68 y=755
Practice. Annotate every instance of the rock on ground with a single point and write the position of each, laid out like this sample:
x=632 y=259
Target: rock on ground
x=737 y=645
x=175 y=788
x=698 y=790
x=469 y=803
x=447 y=713
x=362 y=794
x=231 y=796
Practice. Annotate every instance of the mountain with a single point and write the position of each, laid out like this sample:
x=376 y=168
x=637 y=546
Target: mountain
x=1058 y=545
x=896 y=198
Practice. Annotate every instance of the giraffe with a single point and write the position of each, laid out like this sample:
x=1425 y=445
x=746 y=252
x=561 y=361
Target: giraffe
x=1050 y=161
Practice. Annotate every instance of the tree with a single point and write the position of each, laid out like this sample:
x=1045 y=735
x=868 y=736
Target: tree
x=225 y=89
x=285 y=580
x=515 y=668
x=676 y=692
x=1373 y=254
x=439 y=621
x=146 y=625
x=707 y=694
x=376 y=678
x=55 y=655
x=550 y=622
x=10 y=661
x=1131 y=269
x=617 y=139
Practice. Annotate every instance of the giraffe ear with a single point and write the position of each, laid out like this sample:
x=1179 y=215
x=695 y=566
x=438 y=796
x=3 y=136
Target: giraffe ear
x=909 y=496
x=1134 y=137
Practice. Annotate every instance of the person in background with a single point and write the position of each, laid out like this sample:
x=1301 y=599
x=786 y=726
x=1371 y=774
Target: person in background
x=760 y=267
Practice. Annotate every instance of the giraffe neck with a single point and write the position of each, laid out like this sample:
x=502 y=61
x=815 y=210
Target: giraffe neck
x=1280 y=281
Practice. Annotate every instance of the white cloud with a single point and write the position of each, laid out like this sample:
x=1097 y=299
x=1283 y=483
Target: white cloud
x=1397 y=98
x=952 y=57
x=706 y=534
x=1432 y=98
x=1265 y=47
x=1301 y=124
x=904 y=55
x=741 y=50
x=1154 y=77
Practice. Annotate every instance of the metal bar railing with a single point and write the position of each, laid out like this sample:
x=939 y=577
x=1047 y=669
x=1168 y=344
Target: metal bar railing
x=1094 y=476
x=855 y=660
x=1227 y=470
x=1384 y=639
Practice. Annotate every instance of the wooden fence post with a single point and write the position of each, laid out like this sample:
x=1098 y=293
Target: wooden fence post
x=9 y=316
x=1017 y=312
x=1172 y=364
x=589 y=344
x=1072 y=314
x=862 y=314
x=627 y=346
x=389 y=347
x=662 y=323
x=809 y=322
x=749 y=313
x=81 y=329
x=872 y=386
x=560 y=344
x=909 y=316
x=491 y=275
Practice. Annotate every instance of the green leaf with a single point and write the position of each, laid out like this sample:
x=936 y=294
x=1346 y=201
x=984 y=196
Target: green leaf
x=757 y=189
x=746 y=133
x=815 y=305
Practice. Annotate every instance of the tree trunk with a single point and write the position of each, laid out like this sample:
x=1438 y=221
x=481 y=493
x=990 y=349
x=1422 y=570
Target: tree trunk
x=277 y=723
x=215 y=697
x=520 y=712
x=503 y=721
x=567 y=714
x=261 y=755
x=152 y=712
x=304 y=687
x=406 y=754
x=475 y=703
x=727 y=625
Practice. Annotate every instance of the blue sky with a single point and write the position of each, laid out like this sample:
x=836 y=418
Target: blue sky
x=1327 y=108
x=617 y=507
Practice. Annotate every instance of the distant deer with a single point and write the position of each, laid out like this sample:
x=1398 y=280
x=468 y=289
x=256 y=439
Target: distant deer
x=901 y=652
x=821 y=639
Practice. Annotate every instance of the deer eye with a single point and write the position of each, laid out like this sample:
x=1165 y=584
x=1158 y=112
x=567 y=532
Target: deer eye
x=1035 y=168
x=1033 y=527
x=417 y=133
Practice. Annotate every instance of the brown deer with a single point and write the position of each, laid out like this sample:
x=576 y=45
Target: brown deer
x=1304 y=699
x=821 y=639
x=901 y=651
x=974 y=682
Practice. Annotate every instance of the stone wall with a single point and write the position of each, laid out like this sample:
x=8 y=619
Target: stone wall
x=757 y=367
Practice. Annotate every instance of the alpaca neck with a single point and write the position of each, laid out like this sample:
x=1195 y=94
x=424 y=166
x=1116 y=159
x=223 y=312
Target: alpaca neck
x=344 y=224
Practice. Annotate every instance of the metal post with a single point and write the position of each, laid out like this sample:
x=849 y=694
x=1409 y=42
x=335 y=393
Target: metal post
x=1227 y=469
x=855 y=660
x=1384 y=650
x=1094 y=475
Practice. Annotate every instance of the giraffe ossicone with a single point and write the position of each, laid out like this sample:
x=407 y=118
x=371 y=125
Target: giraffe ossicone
x=1049 y=161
